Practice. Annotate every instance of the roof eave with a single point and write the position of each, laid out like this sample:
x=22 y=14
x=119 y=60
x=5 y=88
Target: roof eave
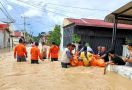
x=123 y=14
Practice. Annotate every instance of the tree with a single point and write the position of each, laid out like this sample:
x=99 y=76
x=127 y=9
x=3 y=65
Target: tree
x=55 y=35
x=75 y=38
x=36 y=38
x=28 y=37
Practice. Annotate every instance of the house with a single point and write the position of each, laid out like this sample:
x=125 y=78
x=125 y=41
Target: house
x=44 y=37
x=96 y=33
x=16 y=35
x=4 y=36
x=121 y=15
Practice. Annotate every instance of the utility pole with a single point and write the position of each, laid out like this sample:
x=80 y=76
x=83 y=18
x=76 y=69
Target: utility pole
x=24 y=25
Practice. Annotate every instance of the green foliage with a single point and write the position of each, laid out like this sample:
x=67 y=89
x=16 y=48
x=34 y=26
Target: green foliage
x=28 y=37
x=55 y=35
x=75 y=38
x=36 y=38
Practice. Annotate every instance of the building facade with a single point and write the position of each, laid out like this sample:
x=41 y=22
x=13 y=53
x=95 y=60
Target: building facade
x=4 y=36
x=44 y=37
x=16 y=35
x=96 y=33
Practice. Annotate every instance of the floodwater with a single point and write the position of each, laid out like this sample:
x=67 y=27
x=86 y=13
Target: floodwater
x=50 y=76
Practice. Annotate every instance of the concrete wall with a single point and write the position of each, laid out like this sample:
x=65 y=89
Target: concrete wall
x=4 y=39
x=1 y=39
x=16 y=40
x=124 y=71
x=61 y=44
x=125 y=51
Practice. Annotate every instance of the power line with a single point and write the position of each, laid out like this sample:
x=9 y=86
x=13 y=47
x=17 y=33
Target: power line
x=6 y=1
x=5 y=9
x=77 y=7
x=25 y=20
x=67 y=6
x=11 y=5
x=6 y=13
x=62 y=14
x=44 y=24
x=33 y=5
x=62 y=10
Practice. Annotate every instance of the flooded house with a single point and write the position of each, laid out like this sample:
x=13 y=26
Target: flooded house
x=44 y=37
x=121 y=15
x=96 y=33
x=4 y=36
x=16 y=35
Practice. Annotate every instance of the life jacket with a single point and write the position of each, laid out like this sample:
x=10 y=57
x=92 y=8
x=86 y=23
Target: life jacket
x=96 y=61
x=74 y=60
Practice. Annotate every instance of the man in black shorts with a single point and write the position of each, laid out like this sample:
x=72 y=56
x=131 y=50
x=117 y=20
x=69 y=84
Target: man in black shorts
x=35 y=54
x=20 y=52
x=53 y=52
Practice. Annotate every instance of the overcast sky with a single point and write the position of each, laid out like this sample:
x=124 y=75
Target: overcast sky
x=42 y=15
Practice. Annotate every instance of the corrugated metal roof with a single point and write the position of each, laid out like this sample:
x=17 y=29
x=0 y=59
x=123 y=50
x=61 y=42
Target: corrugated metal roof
x=4 y=26
x=125 y=12
x=17 y=34
x=97 y=23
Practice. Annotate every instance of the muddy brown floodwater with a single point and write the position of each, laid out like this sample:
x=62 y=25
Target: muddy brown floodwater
x=50 y=76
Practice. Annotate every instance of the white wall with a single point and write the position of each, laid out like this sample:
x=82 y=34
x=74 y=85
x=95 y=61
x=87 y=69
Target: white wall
x=125 y=51
x=15 y=40
x=61 y=44
x=6 y=41
x=1 y=39
x=11 y=43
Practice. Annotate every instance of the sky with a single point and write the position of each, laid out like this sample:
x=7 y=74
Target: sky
x=43 y=15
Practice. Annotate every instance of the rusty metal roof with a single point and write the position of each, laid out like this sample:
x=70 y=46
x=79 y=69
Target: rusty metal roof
x=95 y=23
x=4 y=26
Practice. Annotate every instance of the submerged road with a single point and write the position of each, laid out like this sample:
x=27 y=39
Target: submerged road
x=50 y=76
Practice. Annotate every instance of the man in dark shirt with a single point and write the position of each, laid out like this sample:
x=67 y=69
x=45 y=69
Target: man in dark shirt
x=104 y=54
x=115 y=58
x=105 y=57
x=98 y=51
x=80 y=46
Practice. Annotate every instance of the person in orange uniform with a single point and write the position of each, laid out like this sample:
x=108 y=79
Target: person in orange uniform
x=20 y=52
x=53 y=52
x=35 y=54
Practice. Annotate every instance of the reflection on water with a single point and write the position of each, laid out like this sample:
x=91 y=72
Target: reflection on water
x=50 y=76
